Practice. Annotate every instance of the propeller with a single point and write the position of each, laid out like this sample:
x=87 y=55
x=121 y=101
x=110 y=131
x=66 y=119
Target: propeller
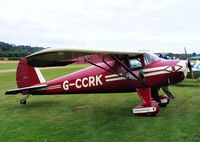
x=189 y=64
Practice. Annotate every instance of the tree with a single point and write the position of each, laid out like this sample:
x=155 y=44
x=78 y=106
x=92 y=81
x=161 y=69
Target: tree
x=11 y=50
x=194 y=54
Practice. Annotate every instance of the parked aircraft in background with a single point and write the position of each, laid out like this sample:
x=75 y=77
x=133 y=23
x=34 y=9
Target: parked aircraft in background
x=196 y=66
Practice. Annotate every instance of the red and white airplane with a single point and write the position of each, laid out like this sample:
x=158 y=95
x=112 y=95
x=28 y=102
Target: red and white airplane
x=111 y=71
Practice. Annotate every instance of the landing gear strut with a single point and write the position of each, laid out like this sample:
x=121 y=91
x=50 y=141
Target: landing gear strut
x=23 y=101
x=148 y=107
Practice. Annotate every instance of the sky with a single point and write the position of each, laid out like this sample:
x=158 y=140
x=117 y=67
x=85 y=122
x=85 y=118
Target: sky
x=157 y=25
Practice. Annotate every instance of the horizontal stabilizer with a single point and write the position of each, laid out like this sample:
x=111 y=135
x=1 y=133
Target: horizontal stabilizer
x=16 y=91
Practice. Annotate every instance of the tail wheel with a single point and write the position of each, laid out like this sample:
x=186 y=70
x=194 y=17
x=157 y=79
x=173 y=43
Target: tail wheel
x=23 y=101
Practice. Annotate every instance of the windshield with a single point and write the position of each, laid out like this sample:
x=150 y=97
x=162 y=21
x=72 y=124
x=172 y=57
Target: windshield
x=150 y=58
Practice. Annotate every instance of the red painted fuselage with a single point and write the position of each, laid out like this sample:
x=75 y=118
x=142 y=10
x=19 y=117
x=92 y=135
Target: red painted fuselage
x=96 y=80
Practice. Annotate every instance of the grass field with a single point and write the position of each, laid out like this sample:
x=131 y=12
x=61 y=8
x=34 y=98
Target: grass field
x=5 y=66
x=96 y=117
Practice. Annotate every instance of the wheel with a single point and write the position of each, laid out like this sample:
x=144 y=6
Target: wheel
x=23 y=101
x=164 y=100
x=163 y=105
x=147 y=114
x=142 y=110
x=151 y=114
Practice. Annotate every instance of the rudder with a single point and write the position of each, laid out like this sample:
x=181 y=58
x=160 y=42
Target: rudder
x=28 y=76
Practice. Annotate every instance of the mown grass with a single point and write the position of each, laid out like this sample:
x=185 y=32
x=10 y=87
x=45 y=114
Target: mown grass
x=96 y=117
x=5 y=66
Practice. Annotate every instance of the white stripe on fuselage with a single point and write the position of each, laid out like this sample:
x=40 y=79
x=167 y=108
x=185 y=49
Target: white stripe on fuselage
x=155 y=69
x=112 y=75
x=53 y=87
x=155 y=73
x=115 y=79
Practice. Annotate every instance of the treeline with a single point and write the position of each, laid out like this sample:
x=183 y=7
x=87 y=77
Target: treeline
x=13 y=52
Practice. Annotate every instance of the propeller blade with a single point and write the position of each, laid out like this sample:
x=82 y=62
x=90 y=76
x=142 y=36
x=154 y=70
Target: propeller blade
x=186 y=54
x=189 y=64
x=190 y=69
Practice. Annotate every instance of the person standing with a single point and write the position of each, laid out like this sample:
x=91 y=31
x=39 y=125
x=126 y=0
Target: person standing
x=167 y=92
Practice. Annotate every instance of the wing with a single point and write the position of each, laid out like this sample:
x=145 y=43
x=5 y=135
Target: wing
x=64 y=56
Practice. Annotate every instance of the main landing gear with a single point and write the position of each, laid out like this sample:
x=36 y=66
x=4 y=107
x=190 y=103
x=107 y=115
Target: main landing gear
x=145 y=110
x=23 y=101
x=149 y=107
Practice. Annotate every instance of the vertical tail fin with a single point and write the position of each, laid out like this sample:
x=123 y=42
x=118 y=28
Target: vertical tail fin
x=27 y=76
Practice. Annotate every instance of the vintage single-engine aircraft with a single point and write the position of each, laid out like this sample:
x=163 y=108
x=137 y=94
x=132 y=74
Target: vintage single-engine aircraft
x=111 y=71
x=196 y=66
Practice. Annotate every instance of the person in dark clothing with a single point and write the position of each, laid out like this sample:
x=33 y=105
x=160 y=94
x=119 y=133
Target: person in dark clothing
x=167 y=92
x=155 y=95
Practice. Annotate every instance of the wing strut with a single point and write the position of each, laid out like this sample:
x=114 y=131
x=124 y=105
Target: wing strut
x=103 y=60
x=114 y=72
x=99 y=66
x=128 y=70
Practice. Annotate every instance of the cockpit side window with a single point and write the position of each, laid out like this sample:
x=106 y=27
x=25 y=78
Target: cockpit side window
x=135 y=63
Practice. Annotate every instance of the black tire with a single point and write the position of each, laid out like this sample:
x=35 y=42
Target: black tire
x=23 y=101
x=151 y=114
x=163 y=105
x=147 y=114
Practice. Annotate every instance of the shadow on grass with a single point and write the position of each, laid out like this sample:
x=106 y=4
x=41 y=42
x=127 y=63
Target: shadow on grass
x=38 y=104
x=126 y=112
x=77 y=109
x=187 y=85
x=111 y=111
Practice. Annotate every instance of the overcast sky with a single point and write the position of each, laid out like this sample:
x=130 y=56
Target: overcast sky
x=138 y=24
